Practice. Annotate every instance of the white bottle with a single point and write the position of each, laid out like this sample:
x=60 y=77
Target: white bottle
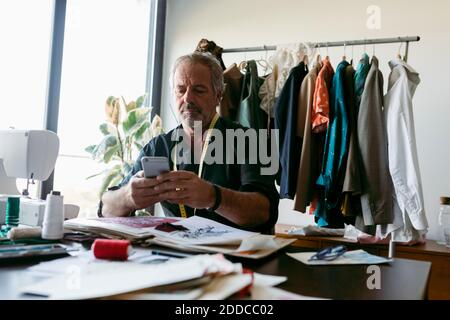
x=444 y=219
x=53 y=225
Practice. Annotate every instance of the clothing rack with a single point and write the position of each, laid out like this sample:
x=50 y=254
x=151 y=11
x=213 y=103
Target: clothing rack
x=406 y=40
x=344 y=43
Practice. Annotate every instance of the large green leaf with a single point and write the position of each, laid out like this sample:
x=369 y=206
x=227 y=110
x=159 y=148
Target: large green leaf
x=107 y=128
x=129 y=122
x=155 y=129
x=110 y=100
x=116 y=157
x=107 y=142
x=138 y=145
x=116 y=180
x=130 y=106
x=141 y=131
x=140 y=101
x=91 y=148
x=112 y=110
x=107 y=181
x=134 y=120
x=98 y=174
x=111 y=174
x=111 y=151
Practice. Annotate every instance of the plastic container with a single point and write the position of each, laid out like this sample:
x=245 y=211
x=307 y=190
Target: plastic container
x=444 y=219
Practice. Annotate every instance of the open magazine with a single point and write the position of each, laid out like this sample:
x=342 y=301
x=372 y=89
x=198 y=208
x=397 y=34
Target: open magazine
x=194 y=234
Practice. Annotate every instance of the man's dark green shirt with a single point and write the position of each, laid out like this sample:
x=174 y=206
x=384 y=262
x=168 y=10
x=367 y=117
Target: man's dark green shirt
x=242 y=176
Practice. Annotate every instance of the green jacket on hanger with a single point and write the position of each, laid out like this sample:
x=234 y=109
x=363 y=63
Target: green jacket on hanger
x=250 y=114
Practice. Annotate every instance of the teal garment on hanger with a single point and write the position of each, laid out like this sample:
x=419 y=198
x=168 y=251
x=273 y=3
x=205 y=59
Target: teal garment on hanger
x=360 y=78
x=336 y=148
x=250 y=115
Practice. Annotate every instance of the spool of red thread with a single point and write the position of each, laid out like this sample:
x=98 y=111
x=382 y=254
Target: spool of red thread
x=111 y=249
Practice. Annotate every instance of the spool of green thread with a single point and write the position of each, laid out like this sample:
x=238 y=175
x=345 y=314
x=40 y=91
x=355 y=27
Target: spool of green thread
x=12 y=211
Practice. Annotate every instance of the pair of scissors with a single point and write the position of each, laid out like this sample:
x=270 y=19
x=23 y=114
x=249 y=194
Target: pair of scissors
x=329 y=253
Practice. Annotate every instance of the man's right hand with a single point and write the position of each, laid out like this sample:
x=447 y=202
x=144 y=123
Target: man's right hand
x=140 y=192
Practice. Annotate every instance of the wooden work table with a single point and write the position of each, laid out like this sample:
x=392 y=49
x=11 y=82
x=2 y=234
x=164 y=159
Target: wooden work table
x=401 y=279
x=438 y=255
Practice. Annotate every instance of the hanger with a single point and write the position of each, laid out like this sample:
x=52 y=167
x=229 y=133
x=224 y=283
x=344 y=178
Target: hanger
x=319 y=59
x=351 y=61
x=319 y=55
x=242 y=65
x=305 y=59
x=344 y=56
x=399 y=56
x=328 y=56
x=264 y=64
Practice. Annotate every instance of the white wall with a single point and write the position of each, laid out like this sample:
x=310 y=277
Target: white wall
x=237 y=23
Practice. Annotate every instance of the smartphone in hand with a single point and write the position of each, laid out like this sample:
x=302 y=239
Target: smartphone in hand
x=154 y=166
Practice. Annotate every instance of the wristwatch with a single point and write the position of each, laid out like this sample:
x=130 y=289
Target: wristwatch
x=218 y=200
x=100 y=203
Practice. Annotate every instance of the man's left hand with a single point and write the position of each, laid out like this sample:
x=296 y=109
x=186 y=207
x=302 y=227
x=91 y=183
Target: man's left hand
x=187 y=188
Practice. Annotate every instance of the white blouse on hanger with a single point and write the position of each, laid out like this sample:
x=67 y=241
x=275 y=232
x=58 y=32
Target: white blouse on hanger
x=410 y=222
x=286 y=57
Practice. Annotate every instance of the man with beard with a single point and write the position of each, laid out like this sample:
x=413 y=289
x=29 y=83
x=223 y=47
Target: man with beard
x=236 y=194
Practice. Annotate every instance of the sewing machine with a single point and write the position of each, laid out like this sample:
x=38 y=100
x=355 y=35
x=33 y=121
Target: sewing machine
x=31 y=155
x=27 y=154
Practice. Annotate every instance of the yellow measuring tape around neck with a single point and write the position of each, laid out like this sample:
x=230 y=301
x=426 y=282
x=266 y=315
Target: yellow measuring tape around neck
x=202 y=159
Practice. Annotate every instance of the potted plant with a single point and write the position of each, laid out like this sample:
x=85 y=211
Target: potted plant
x=126 y=130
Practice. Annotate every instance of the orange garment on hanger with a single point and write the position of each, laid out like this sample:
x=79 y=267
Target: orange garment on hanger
x=321 y=103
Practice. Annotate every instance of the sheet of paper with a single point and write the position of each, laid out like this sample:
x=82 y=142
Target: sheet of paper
x=350 y=257
x=258 y=242
x=176 y=295
x=311 y=230
x=259 y=254
x=199 y=230
x=203 y=231
x=187 y=290
x=218 y=288
x=132 y=226
x=85 y=262
x=113 y=278
x=271 y=293
x=267 y=280
x=225 y=249
x=223 y=287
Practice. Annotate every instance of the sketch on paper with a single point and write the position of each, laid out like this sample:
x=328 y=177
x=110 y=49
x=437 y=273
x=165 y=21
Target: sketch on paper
x=201 y=233
x=199 y=230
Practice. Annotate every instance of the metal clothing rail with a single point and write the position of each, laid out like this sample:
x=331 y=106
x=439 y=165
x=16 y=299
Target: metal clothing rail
x=407 y=40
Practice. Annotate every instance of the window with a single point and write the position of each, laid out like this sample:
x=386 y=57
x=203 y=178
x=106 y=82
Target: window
x=25 y=40
x=25 y=30
x=105 y=53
